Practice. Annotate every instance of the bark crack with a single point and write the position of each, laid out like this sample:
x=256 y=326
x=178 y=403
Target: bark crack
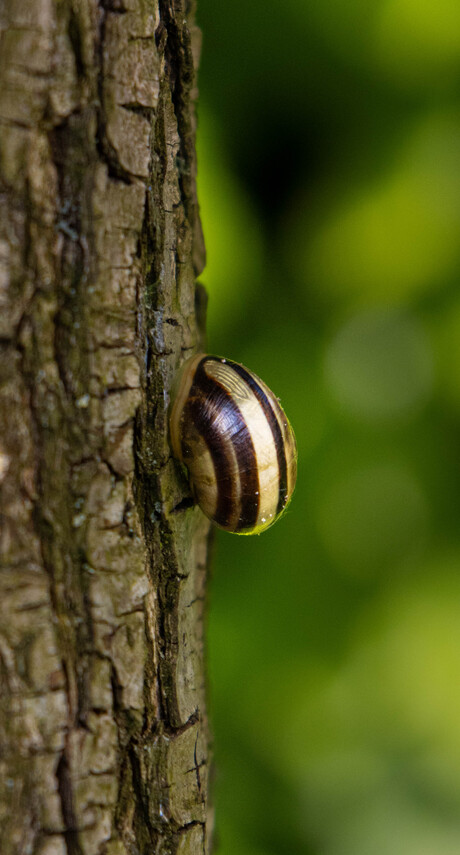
x=67 y=804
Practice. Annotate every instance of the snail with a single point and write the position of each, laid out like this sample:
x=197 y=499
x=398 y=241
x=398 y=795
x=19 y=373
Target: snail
x=236 y=442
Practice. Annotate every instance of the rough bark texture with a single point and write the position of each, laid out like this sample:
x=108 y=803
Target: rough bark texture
x=103 y=734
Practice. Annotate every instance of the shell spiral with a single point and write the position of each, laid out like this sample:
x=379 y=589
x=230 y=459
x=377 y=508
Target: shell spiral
x=236 y=442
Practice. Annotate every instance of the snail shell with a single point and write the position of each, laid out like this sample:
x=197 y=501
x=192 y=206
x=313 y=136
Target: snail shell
x=231 y=433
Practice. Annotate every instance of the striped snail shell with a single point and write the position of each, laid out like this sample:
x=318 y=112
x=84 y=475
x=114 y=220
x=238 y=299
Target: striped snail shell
x=231 y=433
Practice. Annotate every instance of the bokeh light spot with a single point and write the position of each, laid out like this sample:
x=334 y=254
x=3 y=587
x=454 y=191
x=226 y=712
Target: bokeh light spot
x=372 y=519
x=379 y=366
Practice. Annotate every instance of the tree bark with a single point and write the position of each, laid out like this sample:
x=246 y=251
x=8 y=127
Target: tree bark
x=103 y=731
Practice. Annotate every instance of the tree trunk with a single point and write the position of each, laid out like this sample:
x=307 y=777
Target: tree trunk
x=103 y=733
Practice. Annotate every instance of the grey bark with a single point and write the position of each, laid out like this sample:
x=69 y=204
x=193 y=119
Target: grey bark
x=103 y=731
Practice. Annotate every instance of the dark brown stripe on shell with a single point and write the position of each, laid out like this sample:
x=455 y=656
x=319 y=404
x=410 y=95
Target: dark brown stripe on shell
x=210 y=403
x=274 y=427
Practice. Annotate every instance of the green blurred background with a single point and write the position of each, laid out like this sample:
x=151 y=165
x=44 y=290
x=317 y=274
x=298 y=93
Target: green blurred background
x=329 y=183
